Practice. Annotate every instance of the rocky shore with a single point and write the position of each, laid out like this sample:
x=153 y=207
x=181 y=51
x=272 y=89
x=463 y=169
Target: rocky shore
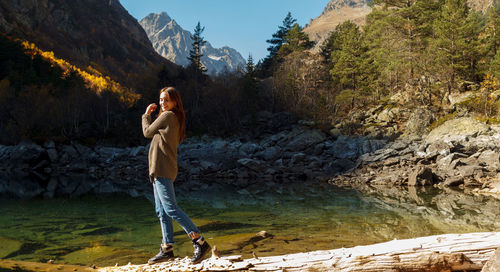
x=283 y=150
x=462 y=153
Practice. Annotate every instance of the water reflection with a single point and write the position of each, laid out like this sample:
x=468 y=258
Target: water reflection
x=110 y=229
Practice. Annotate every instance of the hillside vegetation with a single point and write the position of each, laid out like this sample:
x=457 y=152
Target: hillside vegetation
x=44 y=97
x=410 y=54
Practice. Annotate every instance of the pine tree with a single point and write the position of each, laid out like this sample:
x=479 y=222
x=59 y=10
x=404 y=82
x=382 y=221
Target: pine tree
x=266 y=66
x=278 y=38
x=490 y=38
x=195 y=52
x=250 y=67
x=456 y=43
x=495 y=66
x=250 y=95
x=295 y=40
x=346 y=53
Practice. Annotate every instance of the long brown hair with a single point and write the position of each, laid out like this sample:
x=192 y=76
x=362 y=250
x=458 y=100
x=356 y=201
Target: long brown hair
x=174 y=95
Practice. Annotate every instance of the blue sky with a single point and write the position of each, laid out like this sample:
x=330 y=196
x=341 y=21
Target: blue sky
x=244 y=25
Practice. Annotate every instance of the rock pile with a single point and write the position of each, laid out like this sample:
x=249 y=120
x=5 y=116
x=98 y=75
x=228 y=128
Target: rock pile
x=462 y=152
x=284 y=150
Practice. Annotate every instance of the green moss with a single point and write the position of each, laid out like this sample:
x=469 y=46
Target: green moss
x=442 y=120
x=488 y=120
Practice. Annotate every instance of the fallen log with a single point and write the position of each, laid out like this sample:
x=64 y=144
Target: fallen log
x=447 y=252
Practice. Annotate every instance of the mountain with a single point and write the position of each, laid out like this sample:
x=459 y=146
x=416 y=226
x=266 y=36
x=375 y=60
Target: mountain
x=336 y=12
x=97 y=35
x=339 y=11
x=174 y=43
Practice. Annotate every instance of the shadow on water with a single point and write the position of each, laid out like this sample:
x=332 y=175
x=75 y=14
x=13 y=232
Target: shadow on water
x=110 y=229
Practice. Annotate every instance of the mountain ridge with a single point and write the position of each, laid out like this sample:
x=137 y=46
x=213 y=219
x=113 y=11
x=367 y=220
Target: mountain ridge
x=88 y=33
x=173 y=42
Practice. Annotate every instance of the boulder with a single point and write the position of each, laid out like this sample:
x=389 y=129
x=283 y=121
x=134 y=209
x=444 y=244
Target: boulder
x=490 y=158
x=248 y=149
x=305 y=139
x=440 y=147
x=387 y=115
x=465 y=126
x=343 y=164
x=270 y=154
x=445 y=163
x=418 y=122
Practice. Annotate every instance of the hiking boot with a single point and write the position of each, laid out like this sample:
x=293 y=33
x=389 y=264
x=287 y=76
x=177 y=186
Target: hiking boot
x=166 y=253
x=201 y=247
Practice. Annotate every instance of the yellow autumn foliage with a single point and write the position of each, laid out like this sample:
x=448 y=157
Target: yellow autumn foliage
x=94 y=80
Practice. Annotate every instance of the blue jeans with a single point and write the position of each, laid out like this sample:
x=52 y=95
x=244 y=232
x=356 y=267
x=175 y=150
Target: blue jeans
x=167 y=209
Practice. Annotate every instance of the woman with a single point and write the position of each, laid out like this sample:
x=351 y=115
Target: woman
x=167 y=131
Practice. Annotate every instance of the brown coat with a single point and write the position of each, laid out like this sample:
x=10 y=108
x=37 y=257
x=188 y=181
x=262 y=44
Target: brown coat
x=164 y=132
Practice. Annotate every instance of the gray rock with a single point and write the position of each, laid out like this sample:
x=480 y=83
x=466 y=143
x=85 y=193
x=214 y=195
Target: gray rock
x=471 y=171
x=493 y=264
x=82 y=150
x=418 y=122
x=444 y=163
x=52 y=155
x=344 y=164
x=399 y=145
x=305 y=139
x=387 y=115
x=248 y=148
x=440 y=147
x=453 y=182
x=270 y=154
x=296 y=158
x=318 y=149
x=255 y=165
x=26 y=151
x=49 y=144
x=463 y=127
x=490 y=158
x=70 y=151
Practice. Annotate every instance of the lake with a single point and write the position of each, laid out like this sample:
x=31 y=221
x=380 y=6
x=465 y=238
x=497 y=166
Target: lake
x=117 y=229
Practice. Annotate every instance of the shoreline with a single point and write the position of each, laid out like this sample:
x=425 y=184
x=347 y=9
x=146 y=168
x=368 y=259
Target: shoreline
x=464 y=252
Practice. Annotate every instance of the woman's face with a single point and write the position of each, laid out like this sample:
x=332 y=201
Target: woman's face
x=165 y=103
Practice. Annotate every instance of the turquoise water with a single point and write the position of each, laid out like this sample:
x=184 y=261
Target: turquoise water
x=106 y=230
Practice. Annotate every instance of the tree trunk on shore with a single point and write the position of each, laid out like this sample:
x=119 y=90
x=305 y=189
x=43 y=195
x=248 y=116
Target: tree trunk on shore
x=448 y=252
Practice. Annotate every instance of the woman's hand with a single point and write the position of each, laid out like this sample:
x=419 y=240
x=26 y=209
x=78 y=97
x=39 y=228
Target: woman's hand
x=151 y=108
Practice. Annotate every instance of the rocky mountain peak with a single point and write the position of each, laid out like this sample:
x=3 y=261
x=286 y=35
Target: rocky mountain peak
x=338 y=4
x=171 y=41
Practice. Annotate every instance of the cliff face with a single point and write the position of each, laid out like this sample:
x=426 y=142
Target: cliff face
x=174 y=43
x=99 y=33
